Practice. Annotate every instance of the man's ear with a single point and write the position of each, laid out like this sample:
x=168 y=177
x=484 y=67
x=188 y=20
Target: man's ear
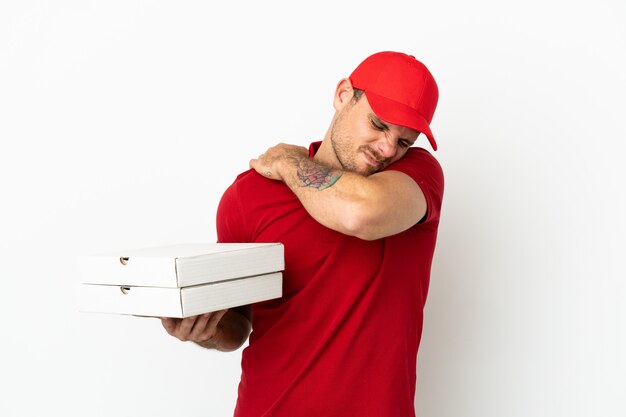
x=343 y=94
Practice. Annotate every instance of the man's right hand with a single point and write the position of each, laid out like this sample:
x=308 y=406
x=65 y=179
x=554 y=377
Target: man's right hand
x=198 y=329
x=223 y=330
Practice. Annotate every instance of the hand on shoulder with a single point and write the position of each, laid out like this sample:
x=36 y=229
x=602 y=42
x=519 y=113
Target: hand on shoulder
x=269 y=163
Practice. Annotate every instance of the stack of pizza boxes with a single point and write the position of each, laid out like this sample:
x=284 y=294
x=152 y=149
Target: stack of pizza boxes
x=181 y=280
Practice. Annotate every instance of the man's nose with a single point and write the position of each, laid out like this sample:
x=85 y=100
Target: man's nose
x=386 y=146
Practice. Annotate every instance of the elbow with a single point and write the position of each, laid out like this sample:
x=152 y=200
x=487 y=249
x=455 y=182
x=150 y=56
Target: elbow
x=373 y=222
x=361 y=224
x=368 y=234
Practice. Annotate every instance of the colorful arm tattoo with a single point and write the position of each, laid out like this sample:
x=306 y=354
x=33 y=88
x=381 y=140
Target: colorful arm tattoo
x=317 y=176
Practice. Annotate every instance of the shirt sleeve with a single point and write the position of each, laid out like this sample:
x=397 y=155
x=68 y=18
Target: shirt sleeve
x=424 y=169
x=230 y=220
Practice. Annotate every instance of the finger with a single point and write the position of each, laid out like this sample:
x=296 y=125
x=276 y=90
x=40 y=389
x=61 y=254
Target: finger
x=261 y=169
x=199 y=328
x=216 y=317
x=258 y=166
x=186 y=327
x=211 y=327
x=215 y=320
x=170 y=324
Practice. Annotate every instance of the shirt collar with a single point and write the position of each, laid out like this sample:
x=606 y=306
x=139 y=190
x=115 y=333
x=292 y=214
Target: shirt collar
x=313 y=147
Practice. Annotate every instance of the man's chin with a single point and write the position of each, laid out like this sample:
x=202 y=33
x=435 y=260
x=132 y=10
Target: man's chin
x=371 y=165
x=368 y=170
x=365 y=169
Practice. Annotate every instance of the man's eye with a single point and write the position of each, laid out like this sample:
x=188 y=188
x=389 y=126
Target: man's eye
x=376 y=125
x=404 y=143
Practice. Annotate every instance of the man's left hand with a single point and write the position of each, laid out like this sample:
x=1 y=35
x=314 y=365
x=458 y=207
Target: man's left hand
x=270 y=163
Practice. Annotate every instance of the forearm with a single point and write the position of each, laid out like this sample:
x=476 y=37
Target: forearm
x=232 y=331
x=338 y=199
x=368 y=207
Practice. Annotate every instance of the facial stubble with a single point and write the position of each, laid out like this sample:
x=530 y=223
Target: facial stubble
x=342 y=143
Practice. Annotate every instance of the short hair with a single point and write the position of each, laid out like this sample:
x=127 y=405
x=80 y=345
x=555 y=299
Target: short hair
x=356 y=94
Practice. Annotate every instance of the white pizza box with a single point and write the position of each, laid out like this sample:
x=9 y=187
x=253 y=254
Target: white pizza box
x=179 y=302
x=182 y=265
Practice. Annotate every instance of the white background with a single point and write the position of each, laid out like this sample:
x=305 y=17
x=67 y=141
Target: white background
x=121 y=123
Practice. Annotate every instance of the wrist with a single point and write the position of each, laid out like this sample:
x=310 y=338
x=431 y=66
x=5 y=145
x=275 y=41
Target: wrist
x=287 y=168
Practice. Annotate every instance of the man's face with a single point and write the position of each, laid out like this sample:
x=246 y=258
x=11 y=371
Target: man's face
x=365 y=144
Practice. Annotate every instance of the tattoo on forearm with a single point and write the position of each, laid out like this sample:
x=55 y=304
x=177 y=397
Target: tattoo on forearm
x=316 y=176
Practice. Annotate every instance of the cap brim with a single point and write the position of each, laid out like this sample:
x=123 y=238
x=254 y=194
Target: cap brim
x=399 y=114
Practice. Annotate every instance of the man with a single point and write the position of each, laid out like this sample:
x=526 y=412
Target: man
x=358 y=215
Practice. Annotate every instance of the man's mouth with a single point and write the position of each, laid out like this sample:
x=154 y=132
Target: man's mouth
x=372 y=160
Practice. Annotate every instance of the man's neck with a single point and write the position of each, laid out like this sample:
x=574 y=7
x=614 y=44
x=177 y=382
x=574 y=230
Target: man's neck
x=325 y=155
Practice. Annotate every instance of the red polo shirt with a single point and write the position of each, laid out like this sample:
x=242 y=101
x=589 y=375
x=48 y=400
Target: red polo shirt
x=343 y=339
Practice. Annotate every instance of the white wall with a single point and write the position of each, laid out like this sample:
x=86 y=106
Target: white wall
x=121 y=122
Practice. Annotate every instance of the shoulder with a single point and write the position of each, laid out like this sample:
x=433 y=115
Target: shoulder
x=250 y=183
x=421 y=166
x=249 y=204
x=252 y=193
x=246 y=177
x=418 y=163
x=232 y=212
x=417 y=155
